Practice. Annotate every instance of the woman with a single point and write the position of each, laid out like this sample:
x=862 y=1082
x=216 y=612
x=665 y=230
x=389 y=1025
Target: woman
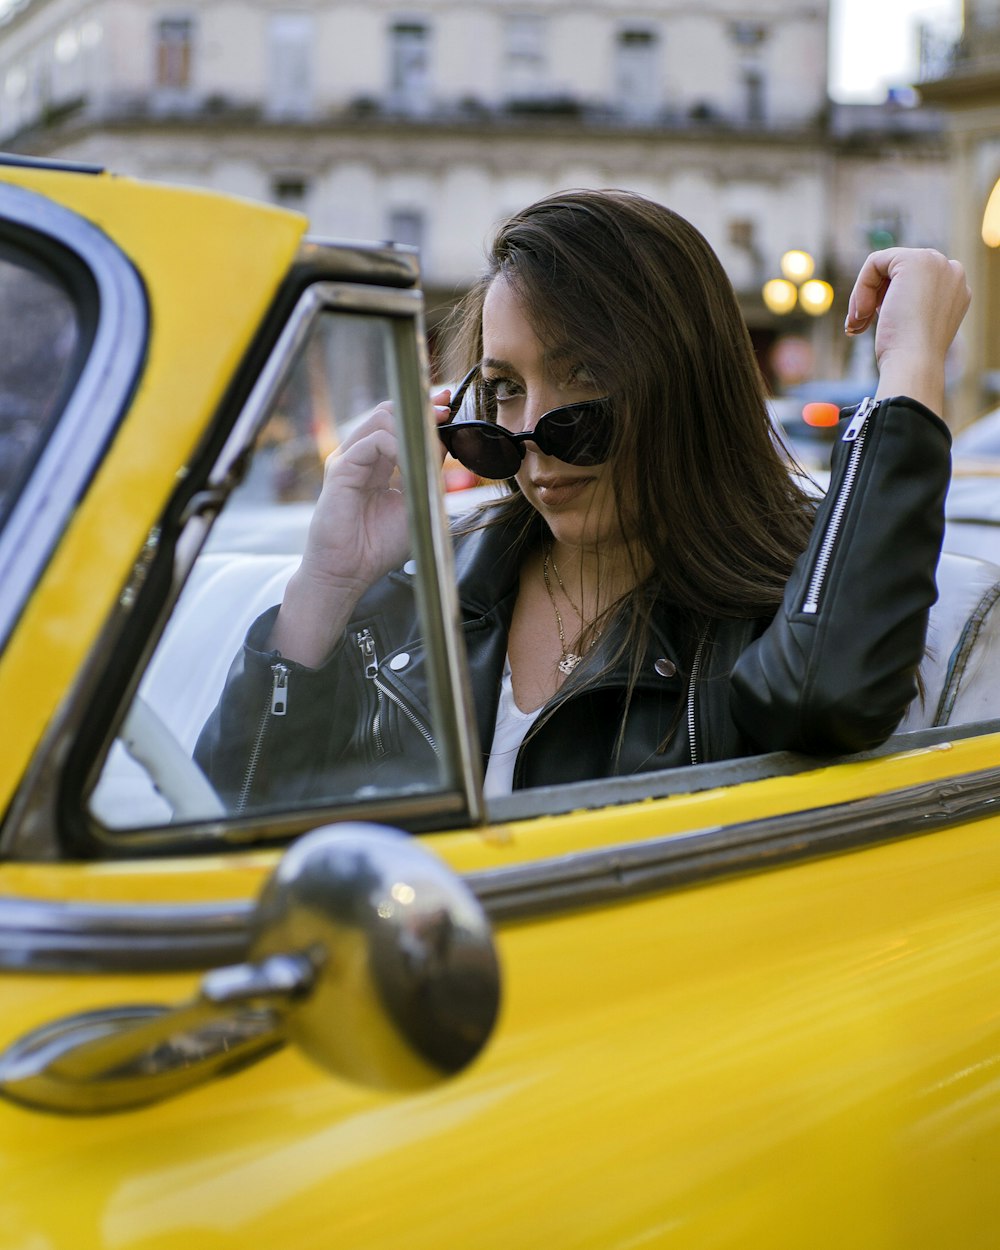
x=655 y=589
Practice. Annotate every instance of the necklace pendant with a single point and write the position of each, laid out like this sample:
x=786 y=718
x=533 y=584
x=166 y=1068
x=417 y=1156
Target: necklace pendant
x=569 y=662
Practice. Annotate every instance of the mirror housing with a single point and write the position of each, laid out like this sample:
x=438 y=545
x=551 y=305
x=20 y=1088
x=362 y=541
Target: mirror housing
x=365 y=950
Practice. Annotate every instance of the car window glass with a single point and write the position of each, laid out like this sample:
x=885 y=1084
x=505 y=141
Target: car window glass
x=40 y=334
x=290 y=739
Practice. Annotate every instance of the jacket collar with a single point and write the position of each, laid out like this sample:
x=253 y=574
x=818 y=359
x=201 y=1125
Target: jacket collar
x=487 y=568
x=488 y=560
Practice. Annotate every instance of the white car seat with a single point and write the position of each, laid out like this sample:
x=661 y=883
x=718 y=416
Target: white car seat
x=961 y=672
x=225 y=593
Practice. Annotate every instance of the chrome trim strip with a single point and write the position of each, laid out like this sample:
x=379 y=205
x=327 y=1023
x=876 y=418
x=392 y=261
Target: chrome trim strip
x=91 y=937
x=102 y=389
x=88 y=938
x=597 y=878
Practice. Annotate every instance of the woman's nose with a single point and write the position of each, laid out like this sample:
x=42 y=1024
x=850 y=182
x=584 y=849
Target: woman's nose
x=535 y=407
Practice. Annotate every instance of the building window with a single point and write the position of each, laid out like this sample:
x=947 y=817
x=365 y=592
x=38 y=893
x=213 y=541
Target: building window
x=406 y=225
x=290 y=191
x=747 y=34
x=750 y=38
x=410 y=66
x=636 y=86
x=742 y=233
x=290 y=40
x=174 y=49
x=526 y=61
x=755 y=103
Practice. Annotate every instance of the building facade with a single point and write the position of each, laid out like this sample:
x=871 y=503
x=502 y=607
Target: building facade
x=967 y=89
x=428 y=123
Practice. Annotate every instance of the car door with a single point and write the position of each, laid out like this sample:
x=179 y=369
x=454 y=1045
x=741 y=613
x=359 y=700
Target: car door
x=739 y=1004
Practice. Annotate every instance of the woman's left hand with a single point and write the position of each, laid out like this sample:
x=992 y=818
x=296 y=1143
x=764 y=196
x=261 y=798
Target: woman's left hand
x=919 y=298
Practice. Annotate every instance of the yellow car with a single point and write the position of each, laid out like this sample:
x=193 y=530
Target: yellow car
x=749 y=1004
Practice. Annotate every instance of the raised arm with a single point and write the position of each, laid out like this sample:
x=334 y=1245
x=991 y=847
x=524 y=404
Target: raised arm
x=836 y=669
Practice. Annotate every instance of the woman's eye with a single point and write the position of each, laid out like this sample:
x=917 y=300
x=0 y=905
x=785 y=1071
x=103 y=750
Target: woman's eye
x=500 y=389
x=582 y=377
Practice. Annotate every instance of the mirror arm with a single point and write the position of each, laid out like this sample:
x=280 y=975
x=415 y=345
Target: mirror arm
x=123 y=1057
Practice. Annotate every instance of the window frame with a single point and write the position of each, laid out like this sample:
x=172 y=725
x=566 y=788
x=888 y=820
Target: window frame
x=114 y=328
x=457 y=802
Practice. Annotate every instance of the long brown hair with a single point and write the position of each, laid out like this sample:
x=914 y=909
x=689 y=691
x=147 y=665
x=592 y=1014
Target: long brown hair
x=646 y=304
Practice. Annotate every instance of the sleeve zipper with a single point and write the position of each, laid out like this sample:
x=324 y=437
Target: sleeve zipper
x=277 y=706
x=855 y=435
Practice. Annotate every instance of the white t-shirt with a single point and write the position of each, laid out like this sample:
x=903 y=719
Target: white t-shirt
x=509 y=732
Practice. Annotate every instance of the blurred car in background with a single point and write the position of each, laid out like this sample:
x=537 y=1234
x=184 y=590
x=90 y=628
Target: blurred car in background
x=979 y=441
x=808 y=414
x=973 y=504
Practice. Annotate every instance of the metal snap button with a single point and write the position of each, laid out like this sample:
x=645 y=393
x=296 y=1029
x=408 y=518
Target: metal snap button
x=665 y=667
x=410 y=567
x=399 y=661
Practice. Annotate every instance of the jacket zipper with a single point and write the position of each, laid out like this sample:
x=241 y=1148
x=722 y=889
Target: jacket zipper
x=366 y=643
x=692 y=685
x=277 y=706
x=369 y=658
x=855 y=434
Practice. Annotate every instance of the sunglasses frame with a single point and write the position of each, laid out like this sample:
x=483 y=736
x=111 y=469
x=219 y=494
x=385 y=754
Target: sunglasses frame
x=516 y=441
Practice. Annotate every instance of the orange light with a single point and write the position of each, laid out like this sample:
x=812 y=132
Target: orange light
x=821 y=415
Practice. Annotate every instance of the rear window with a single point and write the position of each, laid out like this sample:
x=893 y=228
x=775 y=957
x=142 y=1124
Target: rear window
x=41 y=334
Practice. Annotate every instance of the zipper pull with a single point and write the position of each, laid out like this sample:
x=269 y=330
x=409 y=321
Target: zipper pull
x=279 y=689
x=857 y=423
x=366 y=642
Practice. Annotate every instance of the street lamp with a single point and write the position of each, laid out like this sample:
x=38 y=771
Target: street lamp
x=780 y=295
x=797 y=286
x=797 y=266
x=816 y=296
x=991 y=218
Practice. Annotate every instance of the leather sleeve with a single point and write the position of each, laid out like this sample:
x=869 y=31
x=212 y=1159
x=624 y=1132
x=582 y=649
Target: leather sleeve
x=250 y=754
x=836 y=669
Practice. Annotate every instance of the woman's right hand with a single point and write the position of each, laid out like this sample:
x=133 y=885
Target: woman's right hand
x=358 y=527
x=358 y=532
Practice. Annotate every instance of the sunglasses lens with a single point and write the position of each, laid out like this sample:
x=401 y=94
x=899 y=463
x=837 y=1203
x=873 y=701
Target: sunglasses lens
x=577 y=434
x=485 y=449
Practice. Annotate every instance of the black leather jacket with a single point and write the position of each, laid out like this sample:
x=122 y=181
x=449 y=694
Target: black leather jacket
x=833 y=671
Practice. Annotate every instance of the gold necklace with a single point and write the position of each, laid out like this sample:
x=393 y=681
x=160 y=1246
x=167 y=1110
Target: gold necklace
x=562 y=587
x=568 y=659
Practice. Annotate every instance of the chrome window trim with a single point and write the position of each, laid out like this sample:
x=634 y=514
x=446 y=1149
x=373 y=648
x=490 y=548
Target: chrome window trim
x=79 y=938
x=73 y=452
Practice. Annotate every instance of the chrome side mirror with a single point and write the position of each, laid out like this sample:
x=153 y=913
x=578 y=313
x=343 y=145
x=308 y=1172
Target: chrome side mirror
x=366 y=951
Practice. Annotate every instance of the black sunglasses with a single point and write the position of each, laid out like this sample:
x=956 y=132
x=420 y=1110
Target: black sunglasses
x=579 y=433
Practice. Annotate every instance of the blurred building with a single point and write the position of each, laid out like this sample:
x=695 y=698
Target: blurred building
x=429 y=122
x=965 y=84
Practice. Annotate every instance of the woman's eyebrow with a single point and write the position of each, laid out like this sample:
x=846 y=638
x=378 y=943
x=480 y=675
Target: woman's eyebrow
x=491 y=362
x=553 y=356
x=556 y=357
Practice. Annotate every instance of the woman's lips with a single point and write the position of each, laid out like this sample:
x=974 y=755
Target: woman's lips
x=556 y=491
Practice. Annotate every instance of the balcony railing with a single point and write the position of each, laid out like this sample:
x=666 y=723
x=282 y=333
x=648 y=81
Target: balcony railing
x=190 y=107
